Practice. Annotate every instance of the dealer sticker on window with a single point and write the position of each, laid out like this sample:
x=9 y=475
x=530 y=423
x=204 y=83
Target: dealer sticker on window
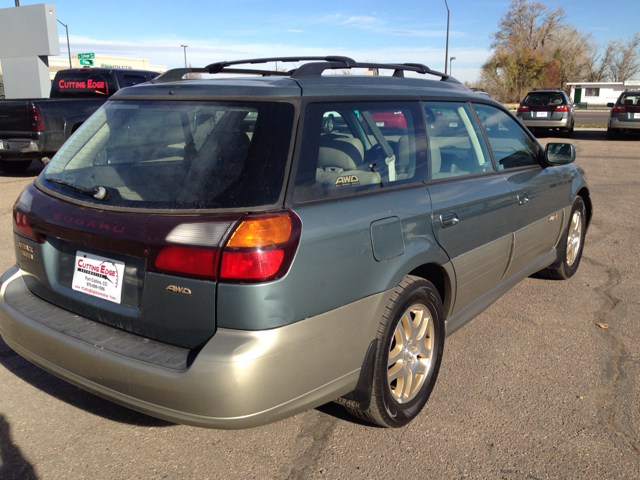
x=98 y=276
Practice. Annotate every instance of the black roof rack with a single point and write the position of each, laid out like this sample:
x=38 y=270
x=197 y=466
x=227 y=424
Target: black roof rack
x=315 y=68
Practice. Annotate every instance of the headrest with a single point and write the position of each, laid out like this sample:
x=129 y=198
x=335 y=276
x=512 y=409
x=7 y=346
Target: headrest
x=342 y=152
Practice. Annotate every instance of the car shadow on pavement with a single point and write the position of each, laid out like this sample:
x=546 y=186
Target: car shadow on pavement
x=33 y=171
x=72 y=395
x=337 y=411
x=13 y=465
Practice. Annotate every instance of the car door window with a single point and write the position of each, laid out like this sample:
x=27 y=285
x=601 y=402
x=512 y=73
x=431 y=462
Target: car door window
x=510 y=144
x=456 y=145
x=352 y=147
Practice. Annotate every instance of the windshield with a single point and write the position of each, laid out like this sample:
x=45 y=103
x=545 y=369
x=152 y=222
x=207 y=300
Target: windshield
x=176 y=155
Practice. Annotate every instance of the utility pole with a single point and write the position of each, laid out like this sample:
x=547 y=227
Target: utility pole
x=185 y=54
x=68 y=47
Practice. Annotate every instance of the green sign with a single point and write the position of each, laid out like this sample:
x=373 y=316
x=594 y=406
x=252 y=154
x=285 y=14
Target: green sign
x=86 y=56
x=86 y=62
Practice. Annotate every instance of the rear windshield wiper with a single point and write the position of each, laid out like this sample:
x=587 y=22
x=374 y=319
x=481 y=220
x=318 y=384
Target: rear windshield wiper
x=99 y=193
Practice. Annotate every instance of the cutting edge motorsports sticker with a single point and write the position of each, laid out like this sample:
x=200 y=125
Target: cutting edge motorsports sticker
x=98 y=276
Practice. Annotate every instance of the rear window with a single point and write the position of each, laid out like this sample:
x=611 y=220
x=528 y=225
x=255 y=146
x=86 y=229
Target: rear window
x=630 y=99
x=176 y=155
x=82 y=84
x=544 y=99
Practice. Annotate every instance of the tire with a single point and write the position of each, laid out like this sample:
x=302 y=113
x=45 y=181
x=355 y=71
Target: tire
x=329 y=124
x=416 y=353
x=15 y=166
x=568 y=132
x=571 y=245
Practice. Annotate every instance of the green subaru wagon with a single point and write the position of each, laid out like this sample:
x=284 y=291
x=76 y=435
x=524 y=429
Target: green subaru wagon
x=215 y=252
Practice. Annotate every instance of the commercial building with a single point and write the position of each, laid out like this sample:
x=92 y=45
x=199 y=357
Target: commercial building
x=598 y=94
x=102 y=61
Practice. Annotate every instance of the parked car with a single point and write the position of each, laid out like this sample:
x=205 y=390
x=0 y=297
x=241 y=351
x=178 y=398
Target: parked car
x=32 y=129
x=206 y=252
x=548 y=110
x=624 y=117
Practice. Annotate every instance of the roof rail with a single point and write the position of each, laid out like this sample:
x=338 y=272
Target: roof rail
x=315 y=68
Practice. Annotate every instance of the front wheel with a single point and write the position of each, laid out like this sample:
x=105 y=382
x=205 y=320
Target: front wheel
x=410 y=343
x=571 y=245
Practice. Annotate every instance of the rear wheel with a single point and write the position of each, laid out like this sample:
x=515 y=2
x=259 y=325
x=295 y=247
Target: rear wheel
x=572 y=243
x=17 y=166
x=408 y=354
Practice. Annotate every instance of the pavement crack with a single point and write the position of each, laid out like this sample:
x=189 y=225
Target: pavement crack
x=620 y=355
x=320 y=429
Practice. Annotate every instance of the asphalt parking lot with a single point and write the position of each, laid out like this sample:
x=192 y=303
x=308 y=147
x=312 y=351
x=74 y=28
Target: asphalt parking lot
x=544 y=384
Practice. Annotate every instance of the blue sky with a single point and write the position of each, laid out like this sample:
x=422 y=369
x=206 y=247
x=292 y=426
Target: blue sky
x=373 y=30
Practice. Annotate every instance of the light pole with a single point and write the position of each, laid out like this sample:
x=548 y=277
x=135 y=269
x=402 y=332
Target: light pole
x=450 y=69
x=185 y=54
x=446 y=52
x=68 y=47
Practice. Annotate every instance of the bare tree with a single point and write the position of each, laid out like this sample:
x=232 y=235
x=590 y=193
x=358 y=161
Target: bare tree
x=597 y=62
x=625 y=59
x=1 y=88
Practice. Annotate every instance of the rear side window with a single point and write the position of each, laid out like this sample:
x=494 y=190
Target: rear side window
x=456 y=145
x=510 y=144
x=352 y=147
x=177 y=155
x=82 y=84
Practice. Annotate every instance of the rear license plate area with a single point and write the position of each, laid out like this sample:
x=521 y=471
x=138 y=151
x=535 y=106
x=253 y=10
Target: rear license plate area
x=98 y=276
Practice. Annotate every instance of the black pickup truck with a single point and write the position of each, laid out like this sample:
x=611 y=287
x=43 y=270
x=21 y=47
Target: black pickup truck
x=36 y=128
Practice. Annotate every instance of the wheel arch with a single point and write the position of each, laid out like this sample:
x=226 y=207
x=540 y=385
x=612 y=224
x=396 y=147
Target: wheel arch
x=586 y=198
x=442 y=278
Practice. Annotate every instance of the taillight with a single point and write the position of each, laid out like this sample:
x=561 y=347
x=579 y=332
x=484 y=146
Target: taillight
x=35 y=115
x=618 y=109
x=22 y=226
x=562 y=108
x=191 y=261
x=261 y=248
x=523 y=108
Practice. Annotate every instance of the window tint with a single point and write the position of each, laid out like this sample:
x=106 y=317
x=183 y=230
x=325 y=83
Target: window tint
x=456 y=146
x=351 y=147
x=178 y=155
x=512 y=147
x=131 y=79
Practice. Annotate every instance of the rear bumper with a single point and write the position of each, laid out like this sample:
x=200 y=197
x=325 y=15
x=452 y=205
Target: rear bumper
x=564 y=123
x=615 y=124
x=20 y=149
x=239 y=379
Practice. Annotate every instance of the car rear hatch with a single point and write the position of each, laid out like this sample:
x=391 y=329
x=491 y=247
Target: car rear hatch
x=543 y=106
x=628 y=109
x=126 y=225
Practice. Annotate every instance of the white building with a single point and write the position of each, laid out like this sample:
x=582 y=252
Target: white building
x=598 y=94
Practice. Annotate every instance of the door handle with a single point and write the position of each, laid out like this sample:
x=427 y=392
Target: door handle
x=449 y=219
x=523 y=198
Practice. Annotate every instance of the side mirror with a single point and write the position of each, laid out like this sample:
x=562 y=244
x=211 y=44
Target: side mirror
x=576 y=106
x=610 y=105
x=559 y=153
